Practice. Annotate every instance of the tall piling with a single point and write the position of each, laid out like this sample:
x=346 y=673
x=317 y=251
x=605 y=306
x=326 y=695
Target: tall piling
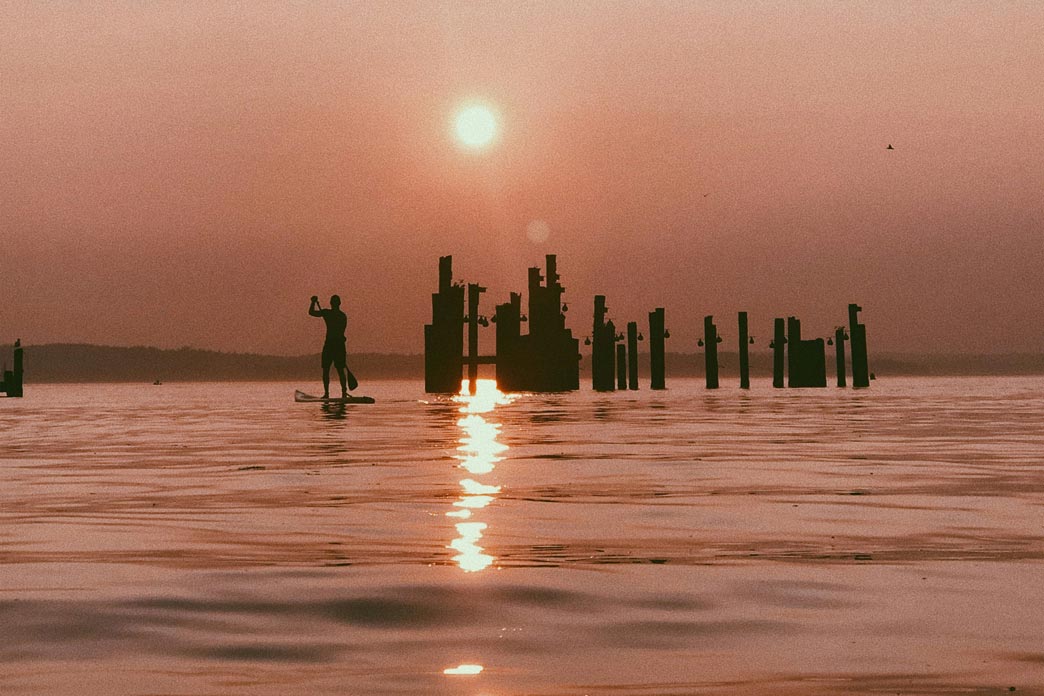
x=444 y=336
x=603 y=338
x=857 y=334
x=710 y=340
x=779 y=340
x=744 y=355
x=657 y=334
x=632 y=355
x=839 y=352
x=474 y=290
x=621 y=366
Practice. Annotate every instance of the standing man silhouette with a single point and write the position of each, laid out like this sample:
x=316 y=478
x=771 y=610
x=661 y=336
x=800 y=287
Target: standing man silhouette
x=334 y=350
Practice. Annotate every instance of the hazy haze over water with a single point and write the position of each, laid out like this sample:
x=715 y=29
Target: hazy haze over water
x=190 y=173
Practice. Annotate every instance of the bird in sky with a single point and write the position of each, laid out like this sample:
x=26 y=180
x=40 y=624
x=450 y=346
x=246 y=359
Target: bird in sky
x=889 y=147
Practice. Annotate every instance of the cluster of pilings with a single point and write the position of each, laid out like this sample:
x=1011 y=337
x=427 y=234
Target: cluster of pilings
x=444 y=336
x=12 y=382
x=546 y=359
x=805 y=360
x=796 y=362
x=614 y=364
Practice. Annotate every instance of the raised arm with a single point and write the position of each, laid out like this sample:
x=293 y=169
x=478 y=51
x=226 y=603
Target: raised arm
x=314 y=309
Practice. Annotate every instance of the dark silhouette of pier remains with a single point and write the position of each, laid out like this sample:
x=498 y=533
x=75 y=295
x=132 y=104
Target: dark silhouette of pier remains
x=546 y=359
x=13 y=379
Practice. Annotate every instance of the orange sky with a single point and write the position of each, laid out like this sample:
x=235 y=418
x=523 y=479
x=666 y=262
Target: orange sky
x=190 y=173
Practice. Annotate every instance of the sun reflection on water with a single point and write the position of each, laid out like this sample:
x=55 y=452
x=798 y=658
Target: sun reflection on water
x=478 y=453
x=463 y=669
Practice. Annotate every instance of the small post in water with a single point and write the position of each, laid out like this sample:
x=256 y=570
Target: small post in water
x=779 y=340
x=632 y=355
x=857 y=334
x=744 y=356
x=657 y=334
x=839 y=347
x=621 y=366
x=710 y=338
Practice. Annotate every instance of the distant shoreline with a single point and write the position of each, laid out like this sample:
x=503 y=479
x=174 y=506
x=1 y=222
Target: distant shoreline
x=84 y=363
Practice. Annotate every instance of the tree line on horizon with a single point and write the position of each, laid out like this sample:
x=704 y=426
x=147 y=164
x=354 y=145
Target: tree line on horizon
x=63 y=362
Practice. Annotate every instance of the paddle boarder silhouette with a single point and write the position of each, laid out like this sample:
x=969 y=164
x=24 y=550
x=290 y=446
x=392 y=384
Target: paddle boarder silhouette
x=334 y=350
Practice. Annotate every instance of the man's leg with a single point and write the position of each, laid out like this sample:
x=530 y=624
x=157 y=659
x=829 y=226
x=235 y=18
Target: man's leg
x=326 y=373
x=341 y=364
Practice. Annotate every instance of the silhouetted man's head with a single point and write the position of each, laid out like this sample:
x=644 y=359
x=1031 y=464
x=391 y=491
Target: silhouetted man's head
x=335 y=301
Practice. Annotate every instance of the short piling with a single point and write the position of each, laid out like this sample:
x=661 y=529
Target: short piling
x=779 y=340
x=839 y=348
x=744 y=355
x=710 y=340
x=657 y=334
x=857 y=334
x=621 y=366
x=632 y=355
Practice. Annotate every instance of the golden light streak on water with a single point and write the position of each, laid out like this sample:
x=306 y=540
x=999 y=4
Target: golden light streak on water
x=470 y=559
x=479 y=452
x=463 y=669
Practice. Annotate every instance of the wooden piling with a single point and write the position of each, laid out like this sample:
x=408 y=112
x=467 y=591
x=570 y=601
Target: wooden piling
x=839 y=351
x=857 y=334
x=710 y=345
x=744 y=355
x=779 y=340
x=657 y=334
x=474 y=290
x=632 y=355
x=603 y=338
x=621 y=366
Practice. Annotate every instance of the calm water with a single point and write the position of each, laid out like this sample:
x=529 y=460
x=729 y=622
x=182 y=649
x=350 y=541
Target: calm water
x=221 y=539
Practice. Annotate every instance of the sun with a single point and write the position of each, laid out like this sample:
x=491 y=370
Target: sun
x=475 y=126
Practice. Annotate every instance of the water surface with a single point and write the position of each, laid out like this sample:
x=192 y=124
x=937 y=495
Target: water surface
x=221 y=539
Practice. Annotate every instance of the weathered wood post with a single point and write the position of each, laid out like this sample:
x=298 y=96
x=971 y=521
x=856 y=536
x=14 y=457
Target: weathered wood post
x=657 y=334
x=632 y=355
x=16 y=388
x=857 y=334
x=793 y=338
x=744 y=356
x=11 y=380
x=779 y=340
x=474 y=290
x=621 y=366
x=710 y=339
x=839 y=348
x=444 y=336
x=603 y=338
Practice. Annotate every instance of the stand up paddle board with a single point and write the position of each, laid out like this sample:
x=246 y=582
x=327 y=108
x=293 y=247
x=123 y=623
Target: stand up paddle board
x=301 y=397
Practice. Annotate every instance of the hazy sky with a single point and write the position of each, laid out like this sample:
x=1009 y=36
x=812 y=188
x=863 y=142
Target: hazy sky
x=185 y=173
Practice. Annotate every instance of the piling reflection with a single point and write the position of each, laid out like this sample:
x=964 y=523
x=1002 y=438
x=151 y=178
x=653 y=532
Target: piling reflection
x=478 y=453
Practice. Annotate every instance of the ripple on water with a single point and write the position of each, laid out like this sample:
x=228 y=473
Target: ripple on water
x=201 y=540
